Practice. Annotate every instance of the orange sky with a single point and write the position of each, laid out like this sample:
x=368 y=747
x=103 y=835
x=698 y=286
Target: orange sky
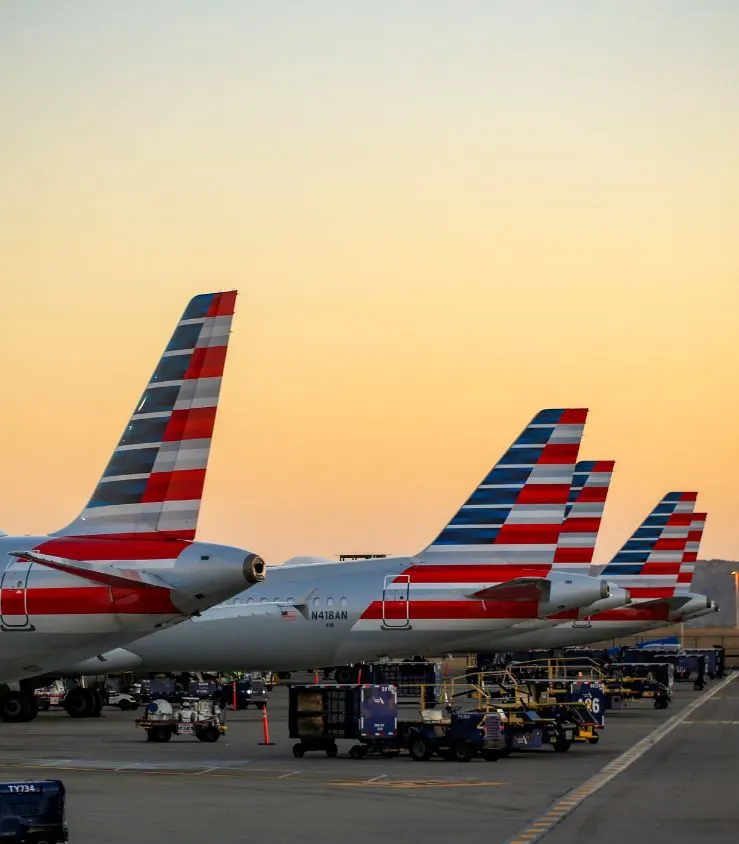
x=438 y=224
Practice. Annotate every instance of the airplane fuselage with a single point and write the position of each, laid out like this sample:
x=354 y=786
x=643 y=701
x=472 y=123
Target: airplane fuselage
x=49 y=618
x=328 y=614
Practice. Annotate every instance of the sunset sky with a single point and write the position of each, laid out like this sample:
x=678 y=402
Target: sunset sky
x=440 y=216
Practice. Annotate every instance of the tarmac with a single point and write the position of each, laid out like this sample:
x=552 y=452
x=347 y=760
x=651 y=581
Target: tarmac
x=656 y=774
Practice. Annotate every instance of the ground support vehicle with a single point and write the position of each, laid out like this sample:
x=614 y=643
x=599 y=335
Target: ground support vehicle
x=125 y=701
x=320 y=714
x=33 y=811
x=51 y=695
x=454 y=736
x=249 y=692
x=688 y=667
x=642 y=681
x=197 y=717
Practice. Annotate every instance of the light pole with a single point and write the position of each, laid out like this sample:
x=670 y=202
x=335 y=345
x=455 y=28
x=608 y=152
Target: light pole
x=736 y=598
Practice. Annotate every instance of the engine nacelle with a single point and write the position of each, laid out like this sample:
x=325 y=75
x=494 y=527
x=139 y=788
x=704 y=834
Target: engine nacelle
x=618 y=598
x=697 y=606
x=571 y=591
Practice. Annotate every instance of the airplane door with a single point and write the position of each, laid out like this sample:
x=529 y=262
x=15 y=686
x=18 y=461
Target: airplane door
x=14 y=596
x=395 y=603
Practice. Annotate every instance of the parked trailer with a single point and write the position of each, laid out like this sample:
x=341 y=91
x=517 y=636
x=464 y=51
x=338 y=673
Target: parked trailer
x=33 y=811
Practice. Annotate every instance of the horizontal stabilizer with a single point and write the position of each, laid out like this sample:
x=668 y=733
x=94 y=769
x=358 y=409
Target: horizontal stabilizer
x=96 y=572
x=518 y=589
x=674 y=602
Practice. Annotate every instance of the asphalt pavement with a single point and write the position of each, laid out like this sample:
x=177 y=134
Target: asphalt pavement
x=123 y=789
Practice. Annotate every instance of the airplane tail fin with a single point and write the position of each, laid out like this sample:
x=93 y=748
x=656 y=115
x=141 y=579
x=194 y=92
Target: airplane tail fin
x=648 y=565
x=583 y=515
x=154 y=480
x=515 y=515
x=685 y=576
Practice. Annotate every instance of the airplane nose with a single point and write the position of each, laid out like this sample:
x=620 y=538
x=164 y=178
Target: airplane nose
x=254 y=569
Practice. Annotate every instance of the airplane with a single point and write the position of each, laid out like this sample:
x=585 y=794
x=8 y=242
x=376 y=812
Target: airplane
x=655 y=565
x=129 y=563
x=490 y=566
x=583 y=515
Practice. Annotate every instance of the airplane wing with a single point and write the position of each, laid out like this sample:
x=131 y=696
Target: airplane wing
x=96 y=572
x=518 y=589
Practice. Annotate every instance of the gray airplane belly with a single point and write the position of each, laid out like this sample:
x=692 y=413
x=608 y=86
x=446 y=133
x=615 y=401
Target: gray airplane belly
x=30 y=655
x=238 y=643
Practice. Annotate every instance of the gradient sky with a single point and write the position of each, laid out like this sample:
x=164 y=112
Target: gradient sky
x=440 y=217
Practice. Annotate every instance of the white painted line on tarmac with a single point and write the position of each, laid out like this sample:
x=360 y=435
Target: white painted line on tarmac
x=377 y=779
x=567 y=803
x=289 y=774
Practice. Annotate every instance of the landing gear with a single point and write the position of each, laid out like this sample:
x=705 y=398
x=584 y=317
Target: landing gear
x=18 y=707
x=83 y=703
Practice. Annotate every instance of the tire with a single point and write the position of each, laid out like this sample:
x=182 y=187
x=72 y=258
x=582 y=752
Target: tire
x=660 y=704
x=356 y=752
x=161 y=734
x=491 y=755
x=77 y=704
x=97 y=703
x=343 y=675
x=209 y=734
x=420 y=748
x=462 y=751
x=699 y=685
x=594 y=740
x=125 y=705
x=332 y=751
x=298 y=751
x=17 y=708
x=561 y=746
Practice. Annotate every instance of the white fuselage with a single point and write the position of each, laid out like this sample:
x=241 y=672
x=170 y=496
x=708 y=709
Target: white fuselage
x=308 y=616
x=49 y=618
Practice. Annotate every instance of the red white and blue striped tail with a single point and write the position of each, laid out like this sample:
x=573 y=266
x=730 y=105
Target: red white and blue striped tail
x=690 y=555
x=154 y=480
x=515 y=515
x=583 y=515
x=649 y=563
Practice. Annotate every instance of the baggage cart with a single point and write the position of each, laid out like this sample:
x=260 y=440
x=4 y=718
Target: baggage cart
x=320 y=714
x=33 y=811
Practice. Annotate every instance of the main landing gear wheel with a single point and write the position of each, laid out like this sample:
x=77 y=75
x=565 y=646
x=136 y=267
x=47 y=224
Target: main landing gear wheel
x=18 y=707
x=83 y=703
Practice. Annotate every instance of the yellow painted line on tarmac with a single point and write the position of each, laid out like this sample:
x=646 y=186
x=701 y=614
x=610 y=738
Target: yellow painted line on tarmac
x=209 y=773
x=568 y=803
x=415 y=784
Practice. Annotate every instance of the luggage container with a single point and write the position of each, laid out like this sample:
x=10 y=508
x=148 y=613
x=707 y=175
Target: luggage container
x=320 y=714
x=33 y=812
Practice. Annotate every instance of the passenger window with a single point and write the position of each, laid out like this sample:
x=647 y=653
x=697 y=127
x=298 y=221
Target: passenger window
x=343 y=603
x=329 y=602
x=316 y=603
x=291 y=600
